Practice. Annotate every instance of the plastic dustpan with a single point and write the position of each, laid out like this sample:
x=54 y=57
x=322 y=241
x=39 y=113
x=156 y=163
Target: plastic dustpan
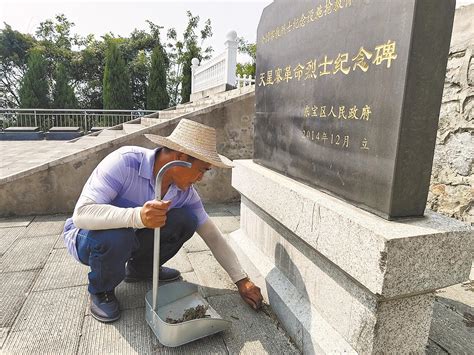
x=176 y=297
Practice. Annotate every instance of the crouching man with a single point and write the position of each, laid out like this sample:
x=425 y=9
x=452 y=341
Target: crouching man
x=111 y=229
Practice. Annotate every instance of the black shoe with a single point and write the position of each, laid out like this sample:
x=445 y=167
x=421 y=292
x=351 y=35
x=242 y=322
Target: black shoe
x=105 y=307
x=166 y=274
x=133 y=275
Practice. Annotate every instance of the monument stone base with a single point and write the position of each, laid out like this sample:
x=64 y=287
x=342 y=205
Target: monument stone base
x=341 y=279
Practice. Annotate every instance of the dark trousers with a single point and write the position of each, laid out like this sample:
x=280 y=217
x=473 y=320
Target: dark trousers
x=107 y=251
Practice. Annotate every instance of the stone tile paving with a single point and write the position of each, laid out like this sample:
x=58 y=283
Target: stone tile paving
x=36 y=153
x=44 y=301
x=44 y=306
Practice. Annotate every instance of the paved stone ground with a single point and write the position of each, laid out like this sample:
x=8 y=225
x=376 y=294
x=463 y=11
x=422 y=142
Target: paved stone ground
x=44 y=300
x=35 y=153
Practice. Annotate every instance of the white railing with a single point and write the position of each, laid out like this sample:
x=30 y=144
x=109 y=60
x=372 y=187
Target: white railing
x=245 y=80
x=86 y=119
x=217 y=71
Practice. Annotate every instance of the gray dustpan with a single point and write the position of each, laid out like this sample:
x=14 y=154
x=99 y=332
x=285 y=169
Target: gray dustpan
x=176 y=297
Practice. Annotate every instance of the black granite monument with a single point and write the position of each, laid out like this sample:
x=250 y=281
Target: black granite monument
x=348 y=96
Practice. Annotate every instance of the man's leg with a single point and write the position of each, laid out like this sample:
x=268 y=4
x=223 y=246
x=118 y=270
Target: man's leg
x=106 y=252
x=180 y=226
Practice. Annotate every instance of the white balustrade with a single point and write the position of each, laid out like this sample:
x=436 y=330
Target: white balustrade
x=245 y=80
x=218 y=70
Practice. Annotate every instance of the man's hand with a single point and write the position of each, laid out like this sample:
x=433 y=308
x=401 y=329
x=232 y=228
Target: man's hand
x=250 y=293
x=153 y=213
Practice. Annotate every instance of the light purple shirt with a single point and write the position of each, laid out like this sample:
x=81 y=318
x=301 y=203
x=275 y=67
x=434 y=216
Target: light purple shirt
x=125 y=179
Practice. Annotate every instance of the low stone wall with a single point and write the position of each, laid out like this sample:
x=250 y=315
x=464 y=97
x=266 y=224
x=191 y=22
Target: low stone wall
x=452 y=180
x=54 y=187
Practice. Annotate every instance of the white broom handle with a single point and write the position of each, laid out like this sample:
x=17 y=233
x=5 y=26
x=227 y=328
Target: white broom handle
x=156 y=247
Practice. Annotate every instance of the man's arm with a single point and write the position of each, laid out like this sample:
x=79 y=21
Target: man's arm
x=94 y=216
x=226 y=257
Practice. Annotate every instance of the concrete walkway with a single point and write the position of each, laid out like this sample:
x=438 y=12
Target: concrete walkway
x=44 y=306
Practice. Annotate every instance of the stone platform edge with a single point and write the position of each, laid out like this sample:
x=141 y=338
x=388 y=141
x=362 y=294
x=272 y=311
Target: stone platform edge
x=391 y=258
x=305 y=325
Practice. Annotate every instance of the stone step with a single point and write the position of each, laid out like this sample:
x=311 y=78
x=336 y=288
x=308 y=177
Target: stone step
x=112 y=133
x=168 y=114
x=132 y=127
x=148 y=121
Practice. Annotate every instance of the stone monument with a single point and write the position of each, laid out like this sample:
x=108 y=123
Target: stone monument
x=347 y=102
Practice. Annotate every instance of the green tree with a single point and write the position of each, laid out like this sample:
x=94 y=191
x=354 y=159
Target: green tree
x=87 y=72
x=250 y=49
x=139 y=73
x=34 y=89
x=193 y=52
x=157 y=94
x=181 y=53
x=63 y=93
x=117 y=92
x=14 y=48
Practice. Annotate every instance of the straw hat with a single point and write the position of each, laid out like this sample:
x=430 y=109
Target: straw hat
x=194 y=139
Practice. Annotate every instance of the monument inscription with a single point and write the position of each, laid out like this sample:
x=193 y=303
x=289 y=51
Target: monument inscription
x=348 y=96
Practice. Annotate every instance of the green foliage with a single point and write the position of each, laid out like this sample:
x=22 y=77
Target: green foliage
x=117 y=92
x=193 y=52
x=157 y=95
x=63 y=93
x=87 y=71
x=246 y=69
x=14 y=47
x=34 y=89
x=139 y=73
x=181 y=52
x=84 y=61
x=250 y=49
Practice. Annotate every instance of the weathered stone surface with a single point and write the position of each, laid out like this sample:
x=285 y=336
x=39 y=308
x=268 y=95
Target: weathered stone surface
x=359 y=316
x=403 y=325
x=3 y=335
x=27 y=254
x=132 y=335
x=195 y=244
x=129 y=335
x=210 y=274
x=434 y=349
x=47 y=225
x=452 y=177
x=49 y=322
x=60 y=243
x=303 y=322
x=453 y=331
x=15 y=222
x=8 y=236
x=389 y=258
x=14 y=289
x=180 y=261
x=61 y=270
x=225 y=221
x=132 y=295
x=251 y=332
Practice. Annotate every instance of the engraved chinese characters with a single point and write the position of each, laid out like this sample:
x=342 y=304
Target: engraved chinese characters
x=348 y=95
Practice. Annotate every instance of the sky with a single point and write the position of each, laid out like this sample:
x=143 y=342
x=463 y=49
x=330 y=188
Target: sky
x=122 y=17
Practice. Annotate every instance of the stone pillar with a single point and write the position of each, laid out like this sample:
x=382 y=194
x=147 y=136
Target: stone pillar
x=231 y=46
x=194 y=66
x=341 y=279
